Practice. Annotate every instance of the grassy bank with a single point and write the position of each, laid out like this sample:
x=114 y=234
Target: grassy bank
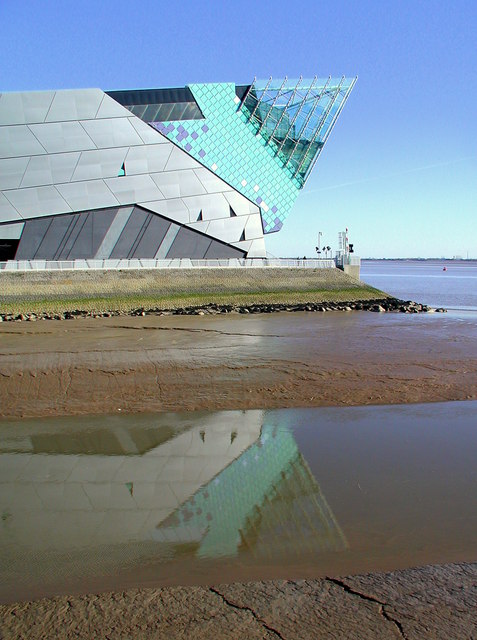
x=55 y=292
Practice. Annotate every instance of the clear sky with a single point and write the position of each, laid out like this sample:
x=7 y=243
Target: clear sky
x=399 y=169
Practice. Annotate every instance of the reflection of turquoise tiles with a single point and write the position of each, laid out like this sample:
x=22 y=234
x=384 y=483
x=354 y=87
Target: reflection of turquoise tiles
x=226 y=144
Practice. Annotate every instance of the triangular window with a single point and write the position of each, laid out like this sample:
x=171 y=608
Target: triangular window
x=122 y=171
x=232 y=212
x=242 y=237
x=200 y=218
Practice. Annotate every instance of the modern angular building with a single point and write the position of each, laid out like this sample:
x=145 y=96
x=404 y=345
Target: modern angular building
x=204 y=171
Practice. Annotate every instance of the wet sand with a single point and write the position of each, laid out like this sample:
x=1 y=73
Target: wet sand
x=237 y=362
x=429 y=603
x=185 y=363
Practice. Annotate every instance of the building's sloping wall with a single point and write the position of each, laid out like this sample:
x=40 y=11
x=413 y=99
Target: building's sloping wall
x=79 y=151
x=226 y=145
x=118 y=232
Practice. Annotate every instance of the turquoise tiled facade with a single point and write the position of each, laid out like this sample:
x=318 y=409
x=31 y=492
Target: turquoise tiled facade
x=227 y=141
x=224 y=143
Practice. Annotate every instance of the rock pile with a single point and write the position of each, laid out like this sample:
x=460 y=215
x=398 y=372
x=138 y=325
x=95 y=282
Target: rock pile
x=378 y=306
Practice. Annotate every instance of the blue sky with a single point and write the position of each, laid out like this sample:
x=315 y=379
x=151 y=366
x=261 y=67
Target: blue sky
x=400 y=168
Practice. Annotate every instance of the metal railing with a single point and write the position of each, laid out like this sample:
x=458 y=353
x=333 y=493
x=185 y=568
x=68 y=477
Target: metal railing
x=175 y=263
x=341 y=260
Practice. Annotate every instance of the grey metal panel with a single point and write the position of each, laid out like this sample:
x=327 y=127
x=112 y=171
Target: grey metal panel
x=53 y=237
x=113 y=233
x=77 y=104
x=113 y=132
x=173 y=209
x=229 y=230
x=211 y=182
x=109 y=108
x=7 y=210
x=167 y=241
x=18 y=141
x=78 y=220
x=175 y=184
x=152 y=238
x=218 y=250
x=11 y=172
x=87 y=195
x=189 y=244
x=37 y=201
x=240 y=204
x=253 y=228
x=100 y=163
x=130 y=233
x=11 y=231
x=25 y=107
x=148 y=134
x=32 y=236
x=92 y=234
x=201 y=226
x=181 y=160
x=50 y=169
x=134 y=189
x=257 y=250
x=62 y=136
x=213 y=205
x=147 y=158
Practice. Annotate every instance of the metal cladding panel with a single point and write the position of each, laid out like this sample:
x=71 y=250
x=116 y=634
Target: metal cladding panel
x=134 y=189
x=189 y=244
x=91 y=234
x=18 y=141
x=99 y=163
x=253 y=228
x=181 y=160
x=11 y=231
x=111 y=109
x=257 y=249
x=147 y=133
x=240 y=205
x=147 y=158
x=76 y=104
x=121 y=216
x=149 y=244
x=212 y=205
x=131 y=233
x=218 y=250
x=37 y=201
x=32 y=236
x=50 y=169
x=78 y=221
x=7 y=210
x=25 y=107
x=56 y=137
x=53 y=237
x=83 y=196
x=229 y=230
x=211 y=182
x=175 y=184
x=172 y=209
x=112 y=132
x=201 y=226
x=11 y=172
x=167 y=241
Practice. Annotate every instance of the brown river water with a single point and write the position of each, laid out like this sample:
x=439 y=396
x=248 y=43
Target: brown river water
x=112 y=502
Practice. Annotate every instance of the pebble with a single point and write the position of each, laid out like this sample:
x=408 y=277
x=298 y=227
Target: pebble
x=377 y=306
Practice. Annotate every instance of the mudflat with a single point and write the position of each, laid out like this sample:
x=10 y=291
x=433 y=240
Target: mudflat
x=177 y=363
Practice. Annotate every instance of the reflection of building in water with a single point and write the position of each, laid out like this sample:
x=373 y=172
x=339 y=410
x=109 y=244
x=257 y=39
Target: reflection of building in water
x=264 y=502
x=221 y=482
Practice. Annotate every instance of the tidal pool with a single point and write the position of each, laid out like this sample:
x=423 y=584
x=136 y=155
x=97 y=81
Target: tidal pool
x=108 y=503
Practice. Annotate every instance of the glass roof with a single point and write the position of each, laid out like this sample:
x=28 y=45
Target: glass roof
x=295 y=117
